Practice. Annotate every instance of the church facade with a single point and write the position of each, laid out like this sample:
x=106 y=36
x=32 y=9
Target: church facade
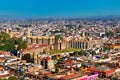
x=82 y=43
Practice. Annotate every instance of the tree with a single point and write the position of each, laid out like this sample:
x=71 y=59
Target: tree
x=110 y=33
x=57 y=37
x=77 y=69
x=70 y=26
x=103 y=75
x=56 y=68
x=106 y=48
x=8 y=44
x=93 y=52
x=76 y=53
x=12 y=78
x=80 y=26
x=22 y=46
x=3 y=79
x=4 y=36
x=18 y=29
x=86 y=33
x=82 y=52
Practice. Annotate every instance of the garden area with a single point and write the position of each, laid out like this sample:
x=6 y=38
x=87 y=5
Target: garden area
x=63 y=51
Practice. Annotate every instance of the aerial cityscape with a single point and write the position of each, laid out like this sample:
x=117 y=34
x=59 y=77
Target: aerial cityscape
x=59 y=40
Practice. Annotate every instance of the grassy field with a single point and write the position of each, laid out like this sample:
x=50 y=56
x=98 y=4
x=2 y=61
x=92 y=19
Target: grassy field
x=62 y=51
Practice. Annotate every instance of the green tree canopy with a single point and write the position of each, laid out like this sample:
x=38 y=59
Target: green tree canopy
x=57 y=37
x=4 y=36
x=12 y=78
x=76 y=53
x=22 y=46
x=93 y=52
x=3 y=79
x=82 y=52
x=110 y=33
x=8 y=44
x=56 y=68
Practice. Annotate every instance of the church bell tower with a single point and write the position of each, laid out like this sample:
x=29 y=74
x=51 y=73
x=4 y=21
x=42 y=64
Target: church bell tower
x=28 y=32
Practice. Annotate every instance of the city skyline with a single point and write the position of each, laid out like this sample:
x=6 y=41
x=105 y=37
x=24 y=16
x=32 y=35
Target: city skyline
x=61 y=8
x=59 y=40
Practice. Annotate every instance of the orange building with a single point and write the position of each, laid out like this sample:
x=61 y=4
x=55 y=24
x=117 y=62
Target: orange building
x=112 y=45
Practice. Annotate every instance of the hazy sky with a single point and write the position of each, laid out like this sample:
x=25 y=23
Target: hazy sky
x=59 y=8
